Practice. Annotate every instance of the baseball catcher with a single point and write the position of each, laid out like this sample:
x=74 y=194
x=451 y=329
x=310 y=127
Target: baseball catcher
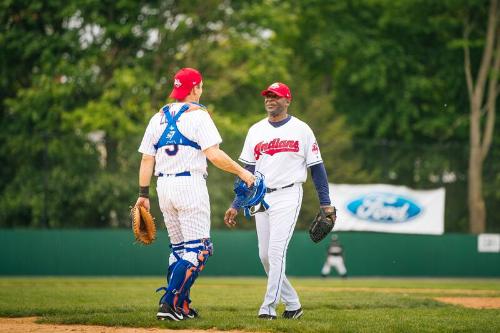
x=323 y=223
x=251 y=199
x=143 y=225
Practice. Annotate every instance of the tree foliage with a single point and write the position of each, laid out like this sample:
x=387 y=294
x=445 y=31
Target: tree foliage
x=381 y=83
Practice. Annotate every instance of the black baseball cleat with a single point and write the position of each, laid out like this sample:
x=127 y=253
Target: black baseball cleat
x=267 y=316
x=187 y=311
x=295 y=314
x=168 y=312
x=192 y=313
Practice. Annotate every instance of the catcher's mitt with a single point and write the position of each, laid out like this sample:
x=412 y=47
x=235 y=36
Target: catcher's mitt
x=322 y=224
x=143 y=225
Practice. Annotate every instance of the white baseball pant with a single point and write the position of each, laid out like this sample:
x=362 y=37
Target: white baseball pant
x=334 y=261
x=274 y=230
x=185 y=205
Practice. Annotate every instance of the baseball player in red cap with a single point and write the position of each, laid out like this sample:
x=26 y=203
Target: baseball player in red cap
x=281 y=147
x=175 y=147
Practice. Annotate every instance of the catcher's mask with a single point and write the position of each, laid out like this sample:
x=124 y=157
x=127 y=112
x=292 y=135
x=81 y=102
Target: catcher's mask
x=251 y=199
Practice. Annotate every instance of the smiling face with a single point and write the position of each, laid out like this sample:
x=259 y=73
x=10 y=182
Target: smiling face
x=275 y=105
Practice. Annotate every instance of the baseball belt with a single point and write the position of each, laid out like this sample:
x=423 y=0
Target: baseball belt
x=180 y=174
x=269 y=190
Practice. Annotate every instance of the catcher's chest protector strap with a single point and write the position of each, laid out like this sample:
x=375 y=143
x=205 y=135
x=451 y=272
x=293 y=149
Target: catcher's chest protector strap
x=172 y=135
x=260 y=207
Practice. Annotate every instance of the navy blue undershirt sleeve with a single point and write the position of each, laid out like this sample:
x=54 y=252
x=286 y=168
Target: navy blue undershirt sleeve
x=318 y=174
x=250 y=168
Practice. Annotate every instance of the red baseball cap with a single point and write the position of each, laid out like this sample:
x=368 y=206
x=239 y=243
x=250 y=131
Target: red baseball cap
x=184 y=81
x=279 y=89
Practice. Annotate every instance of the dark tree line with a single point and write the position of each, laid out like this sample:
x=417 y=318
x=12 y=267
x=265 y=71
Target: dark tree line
x=388 y=87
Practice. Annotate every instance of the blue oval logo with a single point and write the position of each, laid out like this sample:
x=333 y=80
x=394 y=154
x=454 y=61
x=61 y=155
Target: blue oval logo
x=384 y=208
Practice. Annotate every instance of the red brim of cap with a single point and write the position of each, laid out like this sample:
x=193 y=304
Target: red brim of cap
x=267 y=91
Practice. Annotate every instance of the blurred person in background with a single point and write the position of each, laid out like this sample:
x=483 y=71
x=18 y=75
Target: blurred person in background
x=334 y=258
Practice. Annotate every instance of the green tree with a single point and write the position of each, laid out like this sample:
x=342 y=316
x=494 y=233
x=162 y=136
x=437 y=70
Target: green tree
x=395 y=74
x=483 y=93
x=381 y=83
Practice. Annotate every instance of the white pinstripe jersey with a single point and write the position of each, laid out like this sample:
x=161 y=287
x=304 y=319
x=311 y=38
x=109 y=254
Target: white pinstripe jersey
x=282 y=154
x=196 y=125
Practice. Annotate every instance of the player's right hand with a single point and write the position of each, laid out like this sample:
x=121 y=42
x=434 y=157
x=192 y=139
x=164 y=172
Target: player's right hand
x=230 y=217
x=247 y=177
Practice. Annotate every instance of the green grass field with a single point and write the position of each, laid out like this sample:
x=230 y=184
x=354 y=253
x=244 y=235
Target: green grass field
x=331 y=305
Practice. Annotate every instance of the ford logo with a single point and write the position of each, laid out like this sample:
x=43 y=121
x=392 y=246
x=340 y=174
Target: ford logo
x=384 y=208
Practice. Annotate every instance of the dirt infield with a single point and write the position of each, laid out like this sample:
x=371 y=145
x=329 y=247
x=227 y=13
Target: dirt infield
x=407 y=290
x=25 y=325
x=472 y=302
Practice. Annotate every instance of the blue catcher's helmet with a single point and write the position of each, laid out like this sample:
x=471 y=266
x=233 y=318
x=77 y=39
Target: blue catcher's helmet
x=251 y=199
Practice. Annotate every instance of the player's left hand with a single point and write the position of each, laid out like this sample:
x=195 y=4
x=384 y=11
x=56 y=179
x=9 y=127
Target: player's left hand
x=230 y=217
x=328 y=208
x=323 y=223
x=141 y=201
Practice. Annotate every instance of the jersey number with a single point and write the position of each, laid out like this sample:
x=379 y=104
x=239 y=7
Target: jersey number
x=171 y=150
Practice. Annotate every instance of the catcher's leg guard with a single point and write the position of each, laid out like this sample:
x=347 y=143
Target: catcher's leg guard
x=186 y=271
x=174 y=258
x=182 y=299
x=179 y=280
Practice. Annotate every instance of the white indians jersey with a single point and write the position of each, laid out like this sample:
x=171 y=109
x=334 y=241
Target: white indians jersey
x=196 y=125
x=282 y=154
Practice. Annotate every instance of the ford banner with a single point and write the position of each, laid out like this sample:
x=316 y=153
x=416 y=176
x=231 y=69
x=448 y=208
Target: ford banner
x=388 y=208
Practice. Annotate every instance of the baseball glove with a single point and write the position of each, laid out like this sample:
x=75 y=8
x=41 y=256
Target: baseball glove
x=143 y=225
x=322 y=224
